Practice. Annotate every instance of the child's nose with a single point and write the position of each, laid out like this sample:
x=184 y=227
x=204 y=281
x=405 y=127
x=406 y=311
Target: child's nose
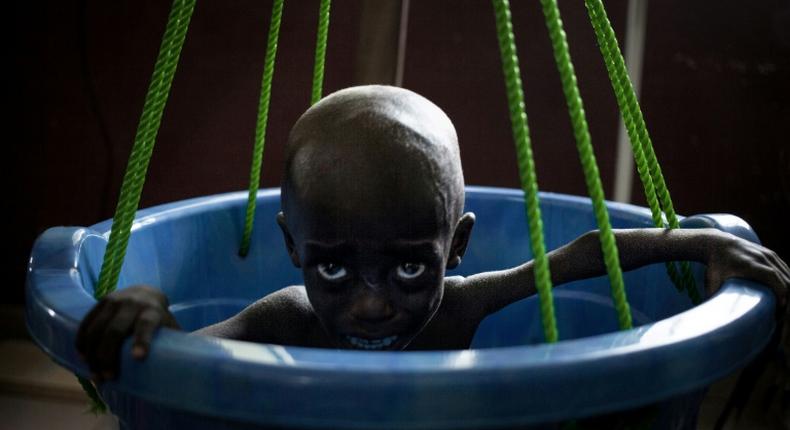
x=371 y=280
x=372 y=307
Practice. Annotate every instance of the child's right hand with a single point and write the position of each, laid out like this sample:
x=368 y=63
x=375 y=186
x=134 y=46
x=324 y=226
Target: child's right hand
x=136 y=311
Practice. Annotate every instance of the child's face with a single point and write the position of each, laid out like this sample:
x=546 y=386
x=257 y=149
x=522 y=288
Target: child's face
x=374 y=289
x=371 y=197
x=373 y=246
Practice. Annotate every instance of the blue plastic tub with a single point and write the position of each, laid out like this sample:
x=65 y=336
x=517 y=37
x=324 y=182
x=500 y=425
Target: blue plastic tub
x=508 y=378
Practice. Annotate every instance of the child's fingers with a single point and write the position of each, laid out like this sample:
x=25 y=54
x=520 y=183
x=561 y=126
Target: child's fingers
x=94 y=330
x=781 y=266
x=773 y=278
x=782 y=286
x=147 y=322
x=87 y=322
x=713 y=281
x=106 y=356
x=768 y=272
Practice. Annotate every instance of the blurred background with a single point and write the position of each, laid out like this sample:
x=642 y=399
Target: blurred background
x=714 y=80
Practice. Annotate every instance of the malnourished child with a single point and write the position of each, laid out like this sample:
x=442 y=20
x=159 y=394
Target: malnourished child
x=372 y=213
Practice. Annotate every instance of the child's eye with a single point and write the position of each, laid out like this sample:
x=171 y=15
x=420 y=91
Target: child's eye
x=331 y=271
x=410 y=270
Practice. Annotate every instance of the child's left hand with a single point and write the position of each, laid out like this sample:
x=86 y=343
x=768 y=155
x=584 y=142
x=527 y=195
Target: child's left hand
x=768 y=376
x=732 y=257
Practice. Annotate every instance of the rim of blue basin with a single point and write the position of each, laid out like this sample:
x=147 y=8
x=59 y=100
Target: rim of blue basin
x=293 y=386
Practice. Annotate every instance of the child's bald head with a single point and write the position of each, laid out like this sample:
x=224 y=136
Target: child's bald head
x=376 y=145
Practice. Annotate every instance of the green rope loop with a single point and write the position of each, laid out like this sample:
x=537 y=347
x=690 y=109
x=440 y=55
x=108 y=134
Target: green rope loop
x=656 y=191
x=260 y=124
x=320 y=51
x=583 y=143
x=526 y=164
x=145 y=137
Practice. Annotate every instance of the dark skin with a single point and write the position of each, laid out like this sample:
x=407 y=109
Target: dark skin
x=372 y=201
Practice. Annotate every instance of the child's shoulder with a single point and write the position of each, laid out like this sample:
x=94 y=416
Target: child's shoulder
x=473 y=297
x=454 y=284
x=283 y=317
x=287 y=303
x=294 y=296
x=454 y=324
x=460 y=298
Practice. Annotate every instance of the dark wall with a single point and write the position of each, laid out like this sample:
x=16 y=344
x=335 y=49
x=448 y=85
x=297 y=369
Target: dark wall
x=453 y=59
x=717 y=99
x=716 y=95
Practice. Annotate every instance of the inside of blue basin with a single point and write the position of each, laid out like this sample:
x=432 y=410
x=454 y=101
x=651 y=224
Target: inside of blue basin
x=189 y=250
x=509 y=377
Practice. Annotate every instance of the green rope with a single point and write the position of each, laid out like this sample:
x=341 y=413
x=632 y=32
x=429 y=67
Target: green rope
x=144 y=140
x=320 y=51
x=526 y=164
x=260 y=125
x=605 y=43
x=147 y=129
x=96 y=405
x=583 y=143
x=644 y=155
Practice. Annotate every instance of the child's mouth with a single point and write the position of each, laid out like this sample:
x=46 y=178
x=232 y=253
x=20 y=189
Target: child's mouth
x=371 y=344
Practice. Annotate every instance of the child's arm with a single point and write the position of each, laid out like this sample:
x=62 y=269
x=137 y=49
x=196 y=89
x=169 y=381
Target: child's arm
x=726 y=256
x=139 y=311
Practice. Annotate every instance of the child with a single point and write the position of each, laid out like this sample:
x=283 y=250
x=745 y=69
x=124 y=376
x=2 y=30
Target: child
x=372 y=213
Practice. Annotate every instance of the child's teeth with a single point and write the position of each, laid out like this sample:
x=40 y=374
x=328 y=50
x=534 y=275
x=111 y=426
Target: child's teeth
x=371 y=343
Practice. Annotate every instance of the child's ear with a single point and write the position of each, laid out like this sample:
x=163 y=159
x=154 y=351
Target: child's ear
x=463 y=230
x=289 y=240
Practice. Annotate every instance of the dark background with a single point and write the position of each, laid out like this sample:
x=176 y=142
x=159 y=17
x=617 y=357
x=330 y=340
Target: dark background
x=715 y=92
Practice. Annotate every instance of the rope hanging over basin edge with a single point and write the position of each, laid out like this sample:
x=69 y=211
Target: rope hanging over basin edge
x=162 y=80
